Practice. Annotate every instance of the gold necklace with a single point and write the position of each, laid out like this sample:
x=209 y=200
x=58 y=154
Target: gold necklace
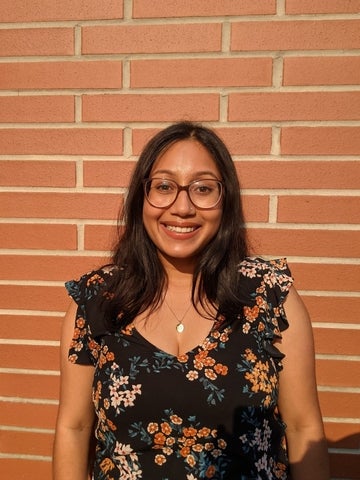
x=179 y=326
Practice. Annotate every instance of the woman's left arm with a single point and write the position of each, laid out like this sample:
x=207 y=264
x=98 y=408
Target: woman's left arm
x=298 y=400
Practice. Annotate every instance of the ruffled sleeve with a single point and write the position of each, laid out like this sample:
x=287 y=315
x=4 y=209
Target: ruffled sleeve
x=89 y=323
x=269 y=282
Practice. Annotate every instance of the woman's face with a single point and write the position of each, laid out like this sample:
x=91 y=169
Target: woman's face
x=181 y=231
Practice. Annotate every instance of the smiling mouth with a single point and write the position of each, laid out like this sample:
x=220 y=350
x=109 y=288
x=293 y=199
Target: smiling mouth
x=173 y=228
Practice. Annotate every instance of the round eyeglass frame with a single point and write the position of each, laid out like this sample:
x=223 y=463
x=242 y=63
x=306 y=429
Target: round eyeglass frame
x=181 y=188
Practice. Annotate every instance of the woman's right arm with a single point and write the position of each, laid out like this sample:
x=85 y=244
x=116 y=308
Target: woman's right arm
x=75 y=421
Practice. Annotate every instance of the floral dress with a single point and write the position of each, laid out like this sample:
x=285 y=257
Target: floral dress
x=208 y=414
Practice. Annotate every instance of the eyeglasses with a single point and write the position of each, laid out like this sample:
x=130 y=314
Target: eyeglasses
x=162 y=193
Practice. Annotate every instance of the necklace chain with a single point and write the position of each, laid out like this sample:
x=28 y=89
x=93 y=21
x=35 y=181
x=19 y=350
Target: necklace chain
x=179 y=326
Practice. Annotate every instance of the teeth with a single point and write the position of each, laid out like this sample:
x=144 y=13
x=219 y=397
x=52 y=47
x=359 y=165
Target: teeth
x=172 y=228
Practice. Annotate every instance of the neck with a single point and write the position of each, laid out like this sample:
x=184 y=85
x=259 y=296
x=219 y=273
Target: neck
x=179 y=271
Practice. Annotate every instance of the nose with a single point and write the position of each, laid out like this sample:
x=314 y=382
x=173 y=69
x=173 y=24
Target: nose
x=183 y=205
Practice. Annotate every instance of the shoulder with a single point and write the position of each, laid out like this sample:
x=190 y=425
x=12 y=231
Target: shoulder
x=256 y=266
x=90 y=284
x=270 y=279
x=272 y=272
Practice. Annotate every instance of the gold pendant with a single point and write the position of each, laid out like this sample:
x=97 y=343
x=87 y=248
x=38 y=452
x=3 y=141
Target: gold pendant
x=180 y=327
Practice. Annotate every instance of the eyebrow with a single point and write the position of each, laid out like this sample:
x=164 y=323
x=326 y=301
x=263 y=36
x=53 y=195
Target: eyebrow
x=196 y=174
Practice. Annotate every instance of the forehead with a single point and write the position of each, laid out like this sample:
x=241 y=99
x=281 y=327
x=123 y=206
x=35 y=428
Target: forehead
x=186 y=158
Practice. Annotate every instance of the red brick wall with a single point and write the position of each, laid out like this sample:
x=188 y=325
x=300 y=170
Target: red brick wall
x=84 y=84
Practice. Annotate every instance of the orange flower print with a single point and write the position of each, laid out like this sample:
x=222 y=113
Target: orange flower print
x=72 y=358
x=185 y=451
x=208 y=362
x=183 y=358
x=190 y=460
x=152 y=427
x=176 y=419
x=166 y=428
x=249 y=355
x=160 y=459
x=261 y=327
x=95 y=279
x=203 y=432
x=221 y=369
x=210 y=472
x=251 y=313
x=210 y=374
x=189 y=432
x=159 y=438
x=246 y=327
x=192 y=375
x=106 y=465
x=197 y=448
x=80 y=322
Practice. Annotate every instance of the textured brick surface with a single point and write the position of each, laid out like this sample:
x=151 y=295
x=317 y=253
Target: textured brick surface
x=296 y=35
x=83 y=87
x=183 y=8
x=167 y=38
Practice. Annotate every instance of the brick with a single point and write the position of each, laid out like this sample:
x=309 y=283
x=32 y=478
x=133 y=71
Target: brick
x=337 y=341
x=310 y=243
x=320 y=140
x=38 y=236
x=30 y=356
x=338 y=373
x=107 y=173
x=33 y=173
x=60 y=74
x=225 y=72
x=26 y=297
x=150 y=108
x=27 y=443
x=64 y=141
x=25 y=469
x=36 y=41
x=43 y=10
x=341 y=70
x=239 y=141
x=293 y=174
x=326 y=277
x=345 y=465
x=100 y=237
x=339 y=404
x=30 y=385
x=318 y=209
x=295 y=35
x=199 y=8
x=47 y=267
x=246 y=140
x=33 y=327
x=322 y=6
x=248 y=107
x=33 y=109
x=165 y=38
x=27 y=415
x=140 y=137
x=342 y=435
x=256 y=208
x=333 y=309
x=60 y=205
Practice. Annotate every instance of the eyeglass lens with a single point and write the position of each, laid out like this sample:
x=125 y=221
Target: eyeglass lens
x=162 y=193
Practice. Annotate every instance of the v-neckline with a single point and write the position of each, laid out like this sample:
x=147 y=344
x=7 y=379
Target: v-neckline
x=156 y=348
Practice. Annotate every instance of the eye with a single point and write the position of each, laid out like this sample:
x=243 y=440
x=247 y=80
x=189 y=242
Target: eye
x=203 y=188
x=163 y=186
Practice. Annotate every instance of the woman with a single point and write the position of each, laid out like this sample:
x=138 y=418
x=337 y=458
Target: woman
x=189 y=359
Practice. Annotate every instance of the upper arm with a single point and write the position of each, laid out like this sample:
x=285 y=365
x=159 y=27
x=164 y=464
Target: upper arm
x=298 y=402
x=76 y=409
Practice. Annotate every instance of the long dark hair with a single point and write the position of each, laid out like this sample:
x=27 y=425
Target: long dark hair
x=140 y=279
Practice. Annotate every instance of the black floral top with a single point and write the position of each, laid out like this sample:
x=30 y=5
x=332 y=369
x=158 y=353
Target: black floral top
x=209 y=414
